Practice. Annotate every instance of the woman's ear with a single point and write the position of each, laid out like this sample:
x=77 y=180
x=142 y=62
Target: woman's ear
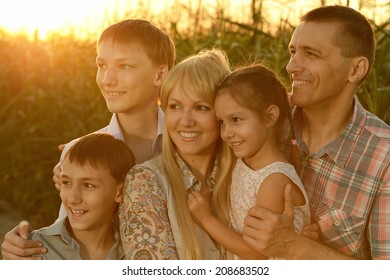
x=119 y=193
x=272 y=115
x=359 y=70
x=161 y=73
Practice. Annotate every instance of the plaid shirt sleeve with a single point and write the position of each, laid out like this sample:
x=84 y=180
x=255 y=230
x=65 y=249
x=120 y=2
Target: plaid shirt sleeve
x=379 y=226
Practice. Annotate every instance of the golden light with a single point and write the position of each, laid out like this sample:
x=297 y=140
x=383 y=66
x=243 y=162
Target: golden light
x=84 y=18
x=40 y=17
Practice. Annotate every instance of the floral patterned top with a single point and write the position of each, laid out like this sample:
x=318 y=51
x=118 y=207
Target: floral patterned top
x=147 y=216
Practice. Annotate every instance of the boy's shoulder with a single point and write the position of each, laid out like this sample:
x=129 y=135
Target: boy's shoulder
x=54 y=229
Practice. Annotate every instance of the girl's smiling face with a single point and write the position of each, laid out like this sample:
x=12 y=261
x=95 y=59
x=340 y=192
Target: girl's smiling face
x=241 y=128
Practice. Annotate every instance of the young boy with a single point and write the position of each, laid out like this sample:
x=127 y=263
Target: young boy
x=133 y=57
x=93 y=173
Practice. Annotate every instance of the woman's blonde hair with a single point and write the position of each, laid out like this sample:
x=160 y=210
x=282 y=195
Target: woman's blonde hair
x=202 y=73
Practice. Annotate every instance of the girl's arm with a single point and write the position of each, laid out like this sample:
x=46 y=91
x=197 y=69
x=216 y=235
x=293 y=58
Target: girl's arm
x=270 y=194
x=227 y=237
x=143 y=218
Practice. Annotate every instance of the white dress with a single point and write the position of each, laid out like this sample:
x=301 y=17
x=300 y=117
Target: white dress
x=244 y=188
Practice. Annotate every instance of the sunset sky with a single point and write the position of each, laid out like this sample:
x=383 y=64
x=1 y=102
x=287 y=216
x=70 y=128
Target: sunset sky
x=27 y=16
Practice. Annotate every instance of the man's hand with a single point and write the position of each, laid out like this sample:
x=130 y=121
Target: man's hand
x=269 y=232
x=16 y=245
x=312 y=231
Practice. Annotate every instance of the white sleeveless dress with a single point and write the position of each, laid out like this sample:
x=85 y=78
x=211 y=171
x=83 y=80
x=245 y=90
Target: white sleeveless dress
x=244 y=188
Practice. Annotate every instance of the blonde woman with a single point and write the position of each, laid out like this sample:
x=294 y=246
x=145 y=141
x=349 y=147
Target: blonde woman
x=155 y=222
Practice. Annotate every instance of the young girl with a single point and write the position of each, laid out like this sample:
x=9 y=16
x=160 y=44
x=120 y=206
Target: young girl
x=252 y=107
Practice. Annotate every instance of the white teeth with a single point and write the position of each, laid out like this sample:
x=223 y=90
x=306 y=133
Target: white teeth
x=78 y=212
x=299 y=82
x=234 y=144
x=190 y=135
x=114 y=93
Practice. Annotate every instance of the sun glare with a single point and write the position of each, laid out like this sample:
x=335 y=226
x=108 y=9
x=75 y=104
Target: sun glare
x=85 y=18
x=40 y=17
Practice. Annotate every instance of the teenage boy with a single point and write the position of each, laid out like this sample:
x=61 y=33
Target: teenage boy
x=340 y=150
x=93 y=173
x=133 y=57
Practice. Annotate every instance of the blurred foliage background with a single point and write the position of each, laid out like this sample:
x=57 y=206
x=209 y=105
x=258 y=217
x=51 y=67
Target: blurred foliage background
x=48 y=93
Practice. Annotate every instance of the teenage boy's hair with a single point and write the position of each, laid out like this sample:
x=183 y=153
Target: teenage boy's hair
x=155 y=42
x=102 y=149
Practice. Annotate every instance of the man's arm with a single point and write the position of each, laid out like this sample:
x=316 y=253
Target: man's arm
x=16 y=245
x=273 y=234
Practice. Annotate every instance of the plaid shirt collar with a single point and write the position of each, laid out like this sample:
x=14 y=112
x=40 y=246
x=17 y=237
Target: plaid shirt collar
x=344 y=142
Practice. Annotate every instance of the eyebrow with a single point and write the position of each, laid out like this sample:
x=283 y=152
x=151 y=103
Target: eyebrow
x=311 y=49
x=305 y=48
x=64 y=176
x=195 y=101
x=117 y=59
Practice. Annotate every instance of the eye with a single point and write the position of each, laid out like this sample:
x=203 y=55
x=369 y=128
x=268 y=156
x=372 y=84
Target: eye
x=125 y=66
x=236 y=120
x=311 y=54
x=65 y=183
x=88 y=185
x=202 y=108
x=173 y=106
x=101 y=65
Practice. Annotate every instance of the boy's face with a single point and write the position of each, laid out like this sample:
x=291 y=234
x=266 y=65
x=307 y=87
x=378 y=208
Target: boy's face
x=127 y=77
x=90 y=195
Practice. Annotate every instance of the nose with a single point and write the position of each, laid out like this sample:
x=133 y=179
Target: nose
x=187 y=118
x=295 y=64
x=226 y=132
x=74 y=195
x=109 y=77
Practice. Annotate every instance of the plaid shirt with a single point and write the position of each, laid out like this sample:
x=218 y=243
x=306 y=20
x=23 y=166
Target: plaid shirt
x=348 y=185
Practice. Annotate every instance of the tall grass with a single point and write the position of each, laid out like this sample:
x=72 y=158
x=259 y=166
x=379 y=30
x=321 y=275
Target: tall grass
x=48 y=93
x=48 y=96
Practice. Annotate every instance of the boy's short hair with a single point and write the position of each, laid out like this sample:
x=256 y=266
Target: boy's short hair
x=102 y=149
x=155 y=42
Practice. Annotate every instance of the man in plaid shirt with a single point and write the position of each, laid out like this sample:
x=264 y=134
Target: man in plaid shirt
x=340 y=150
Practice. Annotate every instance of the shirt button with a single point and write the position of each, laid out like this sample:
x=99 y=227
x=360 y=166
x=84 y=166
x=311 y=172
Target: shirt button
x=337 y=223
x=304 y=163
